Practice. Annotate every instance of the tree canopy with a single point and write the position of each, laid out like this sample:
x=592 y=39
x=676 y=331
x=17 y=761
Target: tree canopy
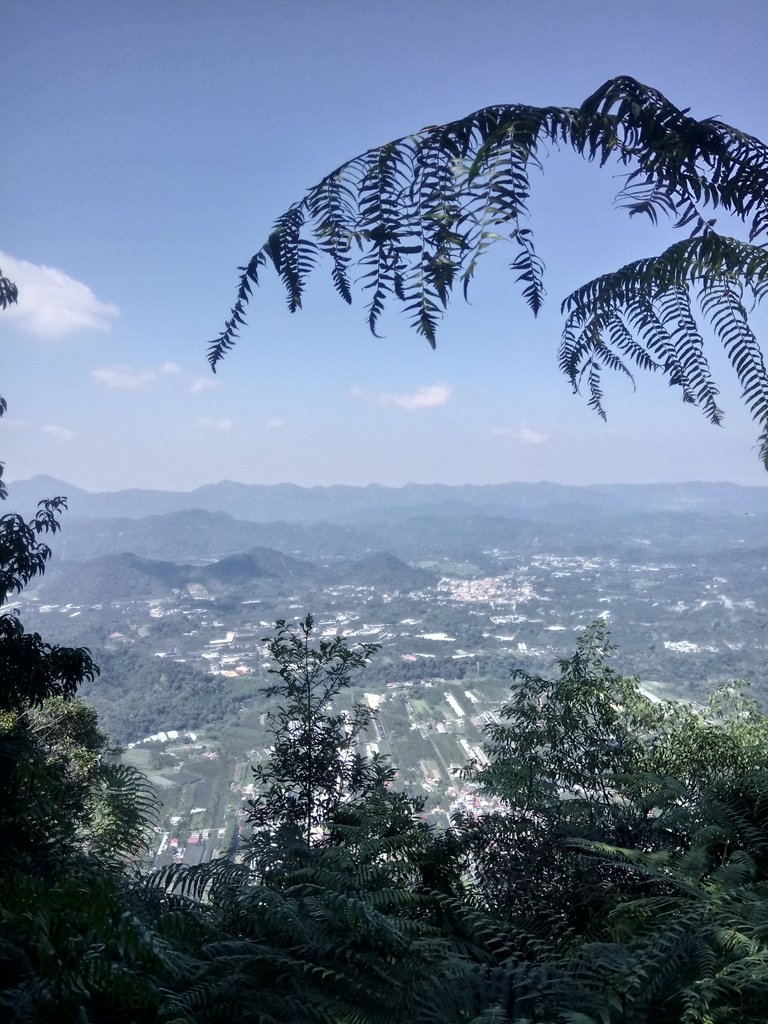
x=621 y=880
x=410 y=220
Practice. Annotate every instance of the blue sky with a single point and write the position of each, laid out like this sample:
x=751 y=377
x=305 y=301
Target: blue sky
x=148 y=147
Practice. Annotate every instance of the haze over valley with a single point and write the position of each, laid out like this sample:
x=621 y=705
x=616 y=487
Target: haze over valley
x=458 y=585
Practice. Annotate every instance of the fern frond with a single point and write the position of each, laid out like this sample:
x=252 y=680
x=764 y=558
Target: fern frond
x=9 y=293
x=653 y=297
x=416 y=215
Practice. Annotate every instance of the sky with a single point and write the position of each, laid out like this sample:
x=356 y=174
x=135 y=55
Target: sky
x=147 y=149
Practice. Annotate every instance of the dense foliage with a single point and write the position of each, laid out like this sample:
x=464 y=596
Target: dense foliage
x=136 y=691
x=72 y=818
x=623 y=878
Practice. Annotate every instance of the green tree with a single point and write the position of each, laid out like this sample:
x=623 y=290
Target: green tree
x=413 y=218
x=338 y=907
x=314 y=764
x=689 y=943
x=725 y=739
x=31 y=672
x=631 y=855
x=74 y=944
x=571 y=737
x=559 y=759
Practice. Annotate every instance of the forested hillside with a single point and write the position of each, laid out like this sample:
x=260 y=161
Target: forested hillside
x=135 y=695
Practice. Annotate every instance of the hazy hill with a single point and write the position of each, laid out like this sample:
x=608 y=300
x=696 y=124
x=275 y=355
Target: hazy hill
x=192 y=535
x=195 y=535
x=259 y=563
x=126 y=576
x=289 y=502
x=382 y=569
x=413 y=523
x=575 y=529
x=108 y=578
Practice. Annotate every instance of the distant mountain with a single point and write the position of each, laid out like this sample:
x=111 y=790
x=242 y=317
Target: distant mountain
x=234 y=569
x=125 y=576
x=112 y=578
x=198 y=536
x=382 y=569
x=259 y=563
x=189 y=536
x=342 y=504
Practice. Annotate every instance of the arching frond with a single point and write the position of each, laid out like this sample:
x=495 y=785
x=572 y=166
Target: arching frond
x=652 y=298
x=415 y=216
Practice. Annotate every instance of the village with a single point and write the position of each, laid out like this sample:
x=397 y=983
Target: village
x=436 y=681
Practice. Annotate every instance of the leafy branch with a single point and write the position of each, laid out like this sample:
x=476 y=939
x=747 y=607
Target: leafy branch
x=415 y=216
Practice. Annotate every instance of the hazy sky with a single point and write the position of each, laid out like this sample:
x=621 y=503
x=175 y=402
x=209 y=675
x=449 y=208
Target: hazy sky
x=146 y=149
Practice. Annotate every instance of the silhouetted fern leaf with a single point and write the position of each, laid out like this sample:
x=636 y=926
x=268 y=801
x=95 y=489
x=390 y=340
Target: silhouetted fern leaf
x=414 y=217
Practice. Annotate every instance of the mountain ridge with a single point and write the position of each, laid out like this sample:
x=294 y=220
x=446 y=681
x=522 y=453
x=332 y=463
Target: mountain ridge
x=341 y=503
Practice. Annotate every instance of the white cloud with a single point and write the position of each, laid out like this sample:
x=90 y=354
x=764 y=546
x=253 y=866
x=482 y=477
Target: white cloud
x=123 y=377
x=127 y=378
x=521 y=433
x=60 y=433
x=273 y=423
x=198 y=384
x=429 y=396
x=214 y=423
x=51 y=303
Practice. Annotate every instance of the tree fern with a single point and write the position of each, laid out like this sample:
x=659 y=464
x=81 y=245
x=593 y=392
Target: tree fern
x=693 y=948
x=416 y=215
x=332 y=940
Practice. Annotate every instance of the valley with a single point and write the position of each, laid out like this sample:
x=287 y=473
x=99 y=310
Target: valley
x=454 y=600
